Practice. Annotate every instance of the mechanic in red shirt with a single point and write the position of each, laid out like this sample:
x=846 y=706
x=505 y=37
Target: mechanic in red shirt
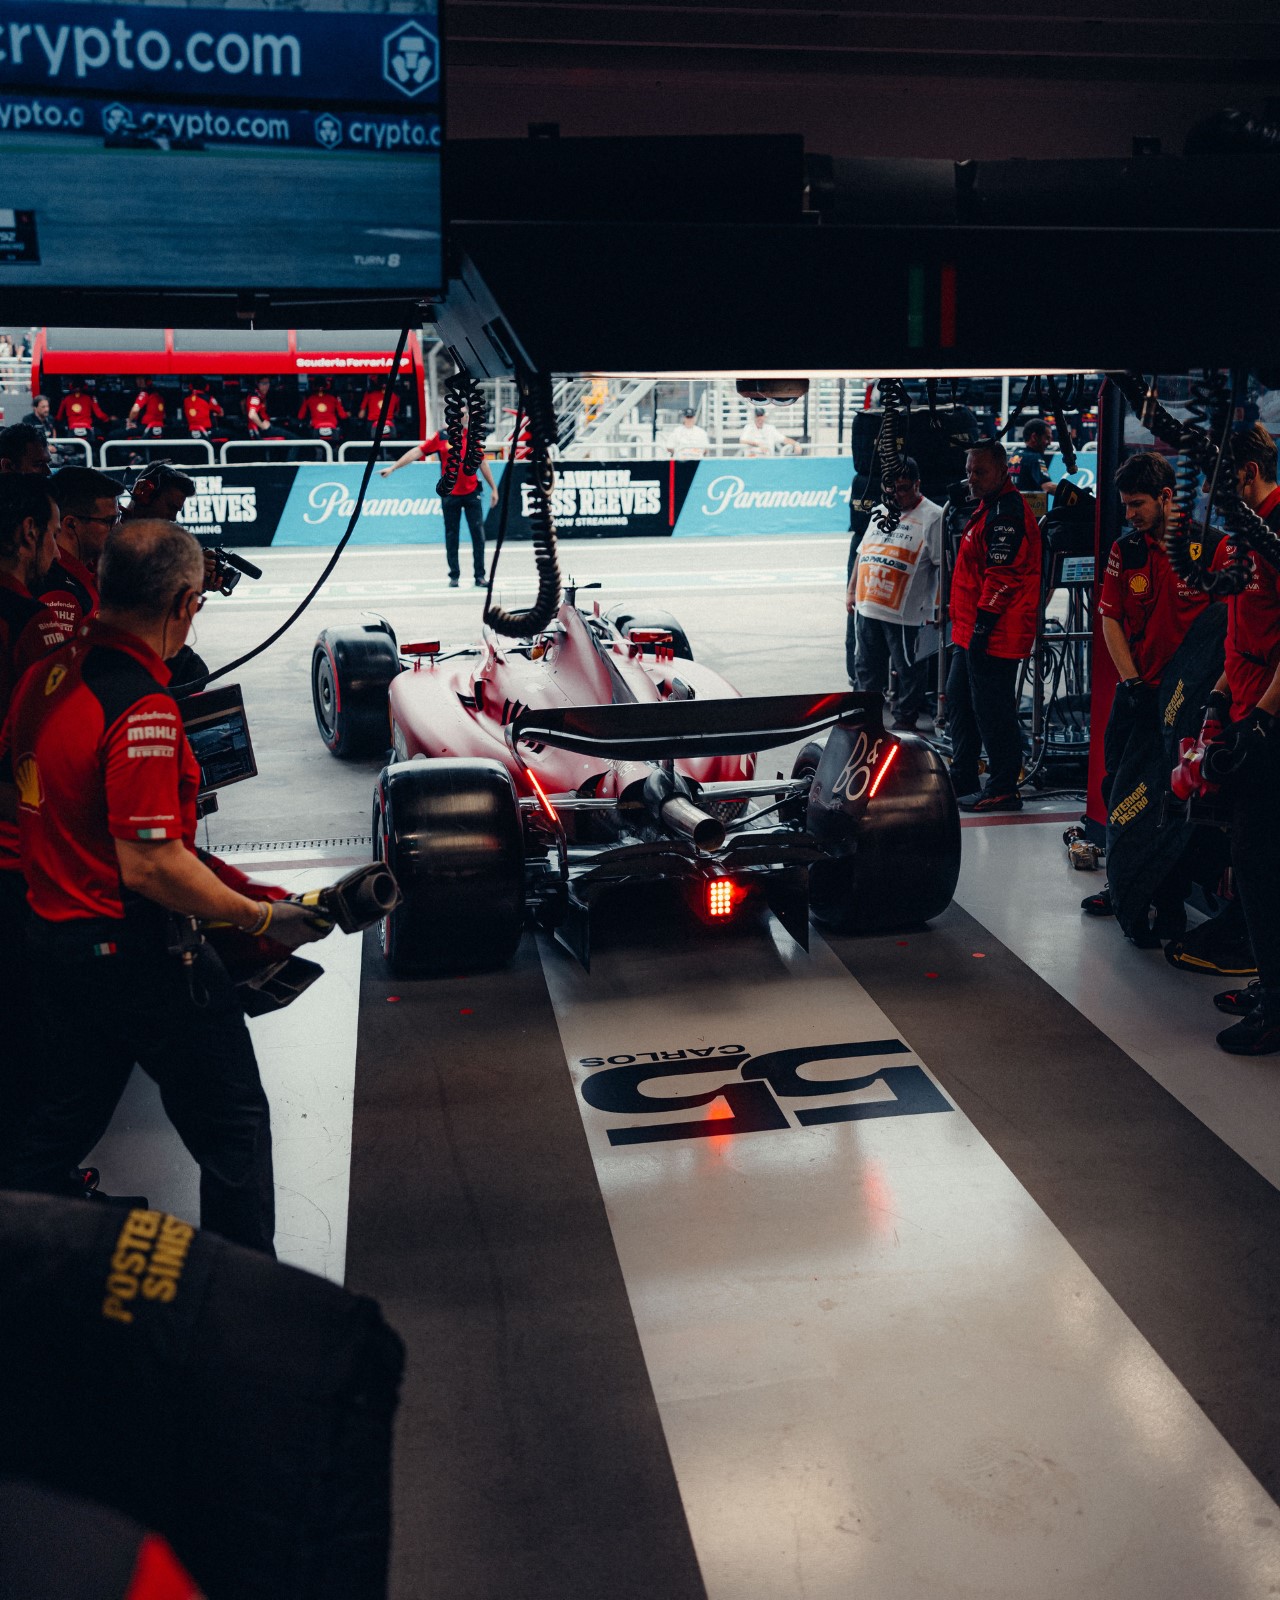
x=149 y=410
x=79 y=411
x=89 y=507
x=199 y=409
x=371 y=409
x=1248 y=693
x=1146 y=610
x=995 y=605
x=28 y=544
x=106 y=789
x=463 y=499
x=322 y=411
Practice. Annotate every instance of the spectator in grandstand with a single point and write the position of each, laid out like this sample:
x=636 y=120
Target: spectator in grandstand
x=149 y=412
x=895 y=590
x=8 y=350
x=24 y=449
x=322 y=412
x=761 y=438
x=200 y=409
x=79 y=412
x=688 y=442
x=1033 y=470
x=41 y=416
x=371 y=409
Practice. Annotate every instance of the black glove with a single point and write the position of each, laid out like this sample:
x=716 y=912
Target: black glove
x=1137 y=693
x=292 y=924
x=983 y=628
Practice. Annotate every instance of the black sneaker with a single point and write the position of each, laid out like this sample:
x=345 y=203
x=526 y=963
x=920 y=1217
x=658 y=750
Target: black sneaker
x=1258 y=1034
x=1239 y=1002
x=979 y=804
x=453 y=583
x=481 y=583
x=1098 y=905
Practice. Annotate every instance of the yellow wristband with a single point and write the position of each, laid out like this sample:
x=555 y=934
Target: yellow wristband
x=261 y=927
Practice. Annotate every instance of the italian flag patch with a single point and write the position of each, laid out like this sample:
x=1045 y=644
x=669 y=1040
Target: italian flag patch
x=151 y=833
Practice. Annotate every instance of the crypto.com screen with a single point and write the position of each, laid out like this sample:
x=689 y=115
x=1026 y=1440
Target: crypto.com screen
x=161 y=145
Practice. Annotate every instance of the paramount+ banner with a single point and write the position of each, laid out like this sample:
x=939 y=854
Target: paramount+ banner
x=310 y=504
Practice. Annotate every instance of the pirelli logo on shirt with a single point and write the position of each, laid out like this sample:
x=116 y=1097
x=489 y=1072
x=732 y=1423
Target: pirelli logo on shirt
x=151 y=733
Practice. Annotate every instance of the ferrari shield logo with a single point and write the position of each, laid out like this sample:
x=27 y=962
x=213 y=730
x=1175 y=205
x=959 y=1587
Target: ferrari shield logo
x=56 y=675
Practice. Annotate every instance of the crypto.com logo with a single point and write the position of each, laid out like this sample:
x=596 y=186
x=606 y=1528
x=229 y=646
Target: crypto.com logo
x=411 y=59
x=328 y=131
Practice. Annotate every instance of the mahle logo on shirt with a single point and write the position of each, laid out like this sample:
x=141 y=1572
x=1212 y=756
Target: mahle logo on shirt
x=27 y=776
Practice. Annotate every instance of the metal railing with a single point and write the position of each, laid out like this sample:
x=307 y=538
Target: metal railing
x=358 y=449
x=174 y=450
x=58 y=449
x=290 y=445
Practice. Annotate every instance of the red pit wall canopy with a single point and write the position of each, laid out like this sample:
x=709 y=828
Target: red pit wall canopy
x=220 y=352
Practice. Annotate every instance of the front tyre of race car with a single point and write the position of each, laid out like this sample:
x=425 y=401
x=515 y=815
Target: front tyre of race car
x=450 y=831
x=895 y=844
x=351 y=670
x=628 y=618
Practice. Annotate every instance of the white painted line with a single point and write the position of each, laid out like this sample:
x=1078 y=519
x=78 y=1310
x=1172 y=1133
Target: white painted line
x=881 y=1370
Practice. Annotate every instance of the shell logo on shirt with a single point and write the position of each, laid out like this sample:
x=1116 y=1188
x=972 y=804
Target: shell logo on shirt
x=27 y=777
x=1138 y=583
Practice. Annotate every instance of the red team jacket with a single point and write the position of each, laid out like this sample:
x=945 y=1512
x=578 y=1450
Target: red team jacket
x=998 y=569
x=1253 y=623
x=79 y=411
x=322 y=412
x=1152 y=604
x=371 y=407
x=200 y=409
x=153 y=411
x=438 y=445
x=98 y=752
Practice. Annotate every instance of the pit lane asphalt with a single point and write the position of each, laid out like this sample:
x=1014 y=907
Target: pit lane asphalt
x=768 y=613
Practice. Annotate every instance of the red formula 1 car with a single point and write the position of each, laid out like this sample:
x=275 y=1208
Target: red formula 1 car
x=531 y=778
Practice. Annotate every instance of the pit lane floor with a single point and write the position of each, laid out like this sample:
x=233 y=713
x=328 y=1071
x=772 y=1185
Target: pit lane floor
x=996 y=1317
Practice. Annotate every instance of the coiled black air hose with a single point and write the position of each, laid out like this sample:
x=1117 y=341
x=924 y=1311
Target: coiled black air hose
x=1202 y=456
x=462 y=391
x=896 y=406
x=537 y=404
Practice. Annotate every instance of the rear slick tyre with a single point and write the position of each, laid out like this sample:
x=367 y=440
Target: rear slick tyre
x=450 y=830
x=904 y=863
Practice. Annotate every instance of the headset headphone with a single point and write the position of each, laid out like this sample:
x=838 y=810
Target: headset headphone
x=146 y=485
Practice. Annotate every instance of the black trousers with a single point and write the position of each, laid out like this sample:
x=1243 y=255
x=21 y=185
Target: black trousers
x=881 y=645
x=16 y=1017
x=96 y=1015
x=1255 y=856
x=982 y=711
x=455 y=505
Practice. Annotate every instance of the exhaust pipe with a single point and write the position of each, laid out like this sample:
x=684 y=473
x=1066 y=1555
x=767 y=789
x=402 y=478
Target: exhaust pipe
x=681 y=816
x=671 y=805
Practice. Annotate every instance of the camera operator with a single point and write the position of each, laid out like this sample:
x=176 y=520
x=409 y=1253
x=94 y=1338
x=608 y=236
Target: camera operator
x=28 y=544
x=1146 y=610
x=89 y=507
x=995 y=602
x=107 y=787
x=1249 y=693
x=24 y=449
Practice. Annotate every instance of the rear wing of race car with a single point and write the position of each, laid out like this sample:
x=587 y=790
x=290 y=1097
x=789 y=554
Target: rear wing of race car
x=673 y=728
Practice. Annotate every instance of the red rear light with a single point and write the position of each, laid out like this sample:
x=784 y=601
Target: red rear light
x=552 y=814
x=723 y=897
x=887 y=763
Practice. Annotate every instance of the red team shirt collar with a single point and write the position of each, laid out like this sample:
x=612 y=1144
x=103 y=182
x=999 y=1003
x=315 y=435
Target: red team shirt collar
x=95 y=631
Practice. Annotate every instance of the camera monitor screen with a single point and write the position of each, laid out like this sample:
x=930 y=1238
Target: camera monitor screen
x=218 y=731
x=289 y=146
